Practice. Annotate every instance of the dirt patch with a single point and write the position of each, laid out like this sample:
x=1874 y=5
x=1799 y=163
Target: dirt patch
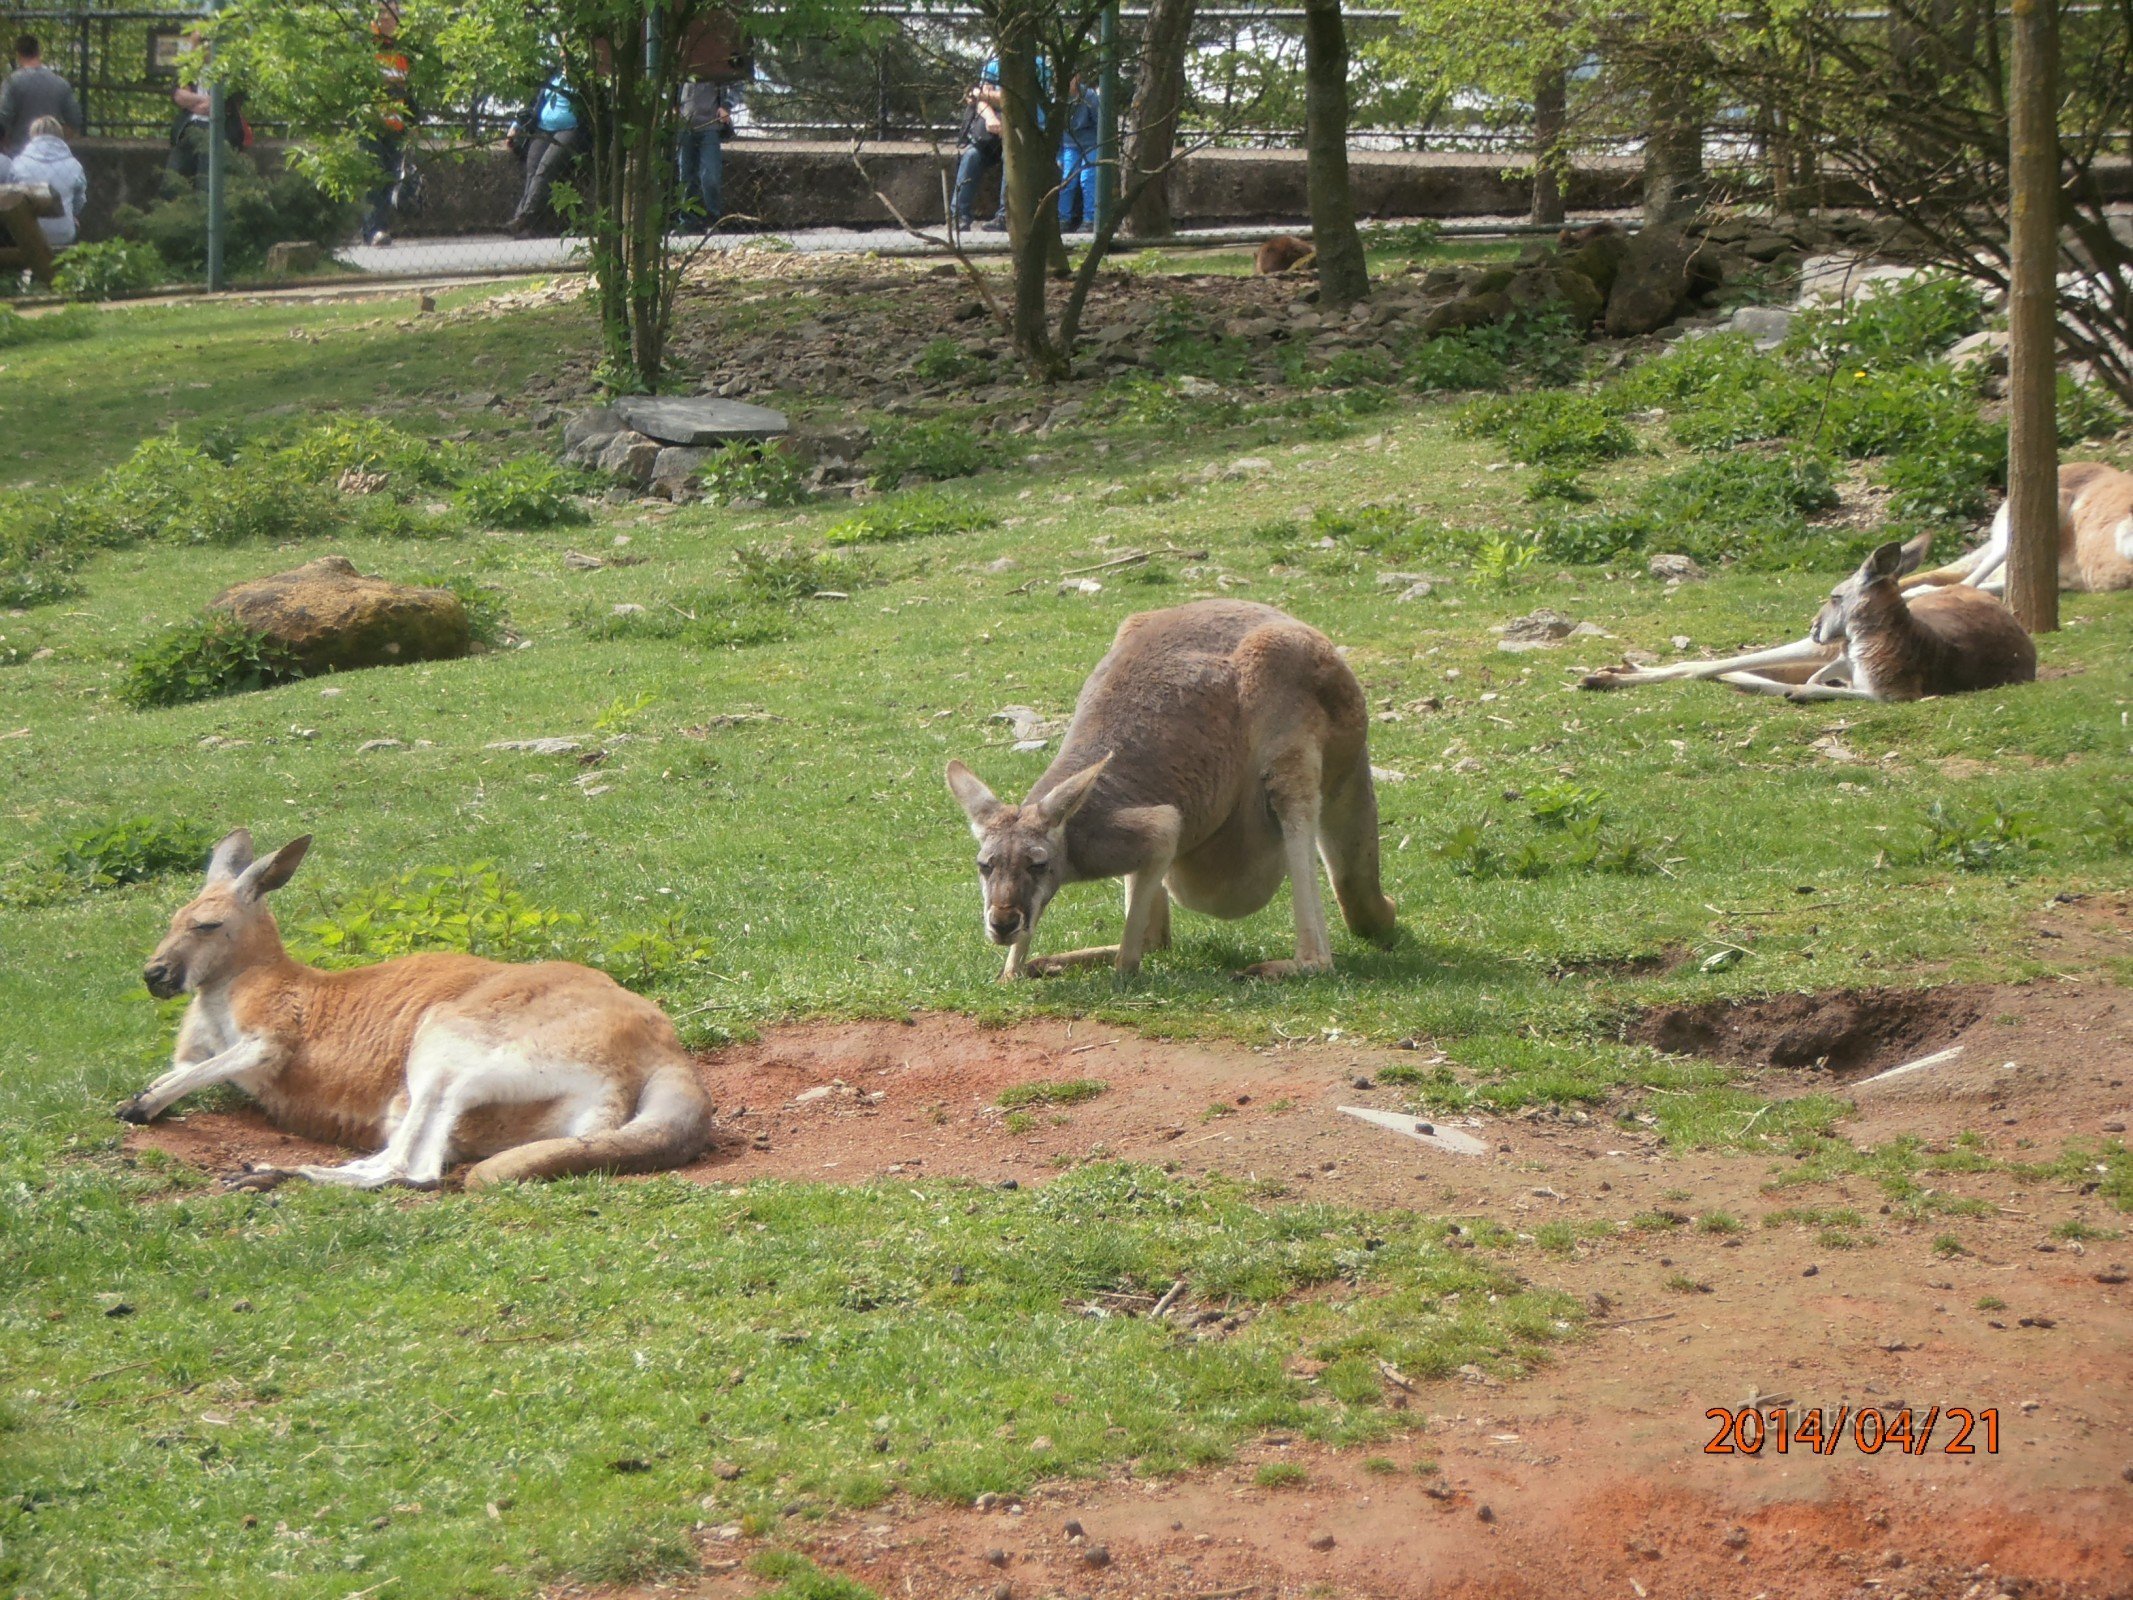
x=1850 y=1032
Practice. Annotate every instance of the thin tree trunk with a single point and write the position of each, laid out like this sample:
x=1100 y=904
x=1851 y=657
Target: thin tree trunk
x=1551 y=107
x=1156 y=104
x=1032 y=179
x=1343 y=273
x=2032 y=315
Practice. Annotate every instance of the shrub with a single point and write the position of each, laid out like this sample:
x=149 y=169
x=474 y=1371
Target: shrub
x=718 y=618
x=201 y=659
x=322 y=453
x=1456 y=361
x=69 y=322
x=1551 y=427
x=258 y=213
x=1890 y=324
x=926 y=450
x=133 y=850
x=919 y=515
x=2086 y=410
x=527 y=492
x=781 y=574
x=107 y=269
x=486 y=616
x=746 y=472
x=1351 y=368
x=1594 y=538
x=1976 y=842
x=1050 y=1092
x=945 y=360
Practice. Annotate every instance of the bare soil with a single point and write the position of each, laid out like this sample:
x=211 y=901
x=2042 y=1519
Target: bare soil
x=1591 y=1477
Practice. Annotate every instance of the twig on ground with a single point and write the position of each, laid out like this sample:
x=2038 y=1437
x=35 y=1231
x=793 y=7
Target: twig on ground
x=1132 y=558
x=1170 y=1298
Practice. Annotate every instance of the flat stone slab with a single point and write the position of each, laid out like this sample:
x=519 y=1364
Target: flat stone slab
x=699 y=420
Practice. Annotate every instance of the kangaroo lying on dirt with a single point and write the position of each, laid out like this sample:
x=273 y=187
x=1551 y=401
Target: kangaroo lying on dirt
x=2095 y=537
x=1216 y=749
x=1880 y=636
x=537 y=1071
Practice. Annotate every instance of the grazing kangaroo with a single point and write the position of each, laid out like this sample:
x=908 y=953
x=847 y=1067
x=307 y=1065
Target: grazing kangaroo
x=1216 y=749
x=2095 y=537
x=1283 y=253
x=537 y=1071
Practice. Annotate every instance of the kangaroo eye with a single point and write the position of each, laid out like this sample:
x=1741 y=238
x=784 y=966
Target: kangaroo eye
x=205 y=927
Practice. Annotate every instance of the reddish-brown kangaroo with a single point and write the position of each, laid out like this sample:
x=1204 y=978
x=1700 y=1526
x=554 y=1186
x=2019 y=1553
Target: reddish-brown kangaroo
x=1218 y=748
x=533 y=1071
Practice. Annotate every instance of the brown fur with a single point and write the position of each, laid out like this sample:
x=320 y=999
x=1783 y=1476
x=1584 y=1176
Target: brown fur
x=1944 y=641
x=1213 y=749
x=361 y=1058
x=1283 y=253
x=2095 y=534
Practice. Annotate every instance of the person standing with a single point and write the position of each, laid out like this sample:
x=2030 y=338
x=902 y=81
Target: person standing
x=1079 y=158
x=46 y=159
x=33 y=91
x=706 y=124
x=188 y=129
x=983 y=148
x=547 y=137
x=386 y=142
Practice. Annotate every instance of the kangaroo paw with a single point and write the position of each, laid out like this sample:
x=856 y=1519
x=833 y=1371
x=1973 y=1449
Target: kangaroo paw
x=257 y=1180
x=133 y=1111
x=1281 y=969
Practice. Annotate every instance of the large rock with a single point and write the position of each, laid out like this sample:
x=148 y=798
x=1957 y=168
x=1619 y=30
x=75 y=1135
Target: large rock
x=1468 y=311
x=674 y=471
x=1552 y=288
x=335 y=619
x=294 y=255
x=1651 y=283
x=699 y=420
x=1598 y=256
x=630 y=457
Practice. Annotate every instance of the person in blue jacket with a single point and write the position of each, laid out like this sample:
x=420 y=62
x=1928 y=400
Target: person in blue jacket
x=1078 y=159
x=547 y=137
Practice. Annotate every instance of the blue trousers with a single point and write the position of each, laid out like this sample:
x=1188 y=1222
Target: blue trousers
x=1077 y=189
x=703 y=173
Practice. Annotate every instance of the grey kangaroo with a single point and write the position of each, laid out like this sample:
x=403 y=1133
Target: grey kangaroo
x=1218 y=748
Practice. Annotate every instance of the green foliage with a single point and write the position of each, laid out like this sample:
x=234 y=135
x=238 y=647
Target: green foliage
x=716 y=617
x=935 y=450
x=1282 y=1475
x=1559 y=484
x=1415 y=238
x=945 y=360
x=1552 y=428
x=2108 y=825
x=199 y=660
x=1050 y=1092
x=1890 y=323
x=484 y=603
x=1457 y=361
x=918 y=515
x=2085 y=411
x=106 y=270
x=746 y=474
x=781 y=574
x=1979 y=841
x=476 y=910
x=1478 y=848
x=130 y=850
x=323 y=452
x=529 y=491
x=258 y=214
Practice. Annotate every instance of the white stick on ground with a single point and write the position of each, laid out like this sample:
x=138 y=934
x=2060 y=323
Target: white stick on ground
x=1420 y=1129
x=1935 y=1059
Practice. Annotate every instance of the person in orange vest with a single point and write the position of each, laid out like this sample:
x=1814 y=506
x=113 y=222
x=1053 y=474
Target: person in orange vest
x=386 y=142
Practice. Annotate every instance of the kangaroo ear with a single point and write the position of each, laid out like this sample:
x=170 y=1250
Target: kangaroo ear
x=979 y=803
x=1914 y=553
x=262 y=877
x=1885 y=562
x=1067 y=797
x=231 y=856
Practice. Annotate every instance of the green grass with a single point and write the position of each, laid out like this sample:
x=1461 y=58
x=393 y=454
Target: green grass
x=772 y=778
x=1050 y=1092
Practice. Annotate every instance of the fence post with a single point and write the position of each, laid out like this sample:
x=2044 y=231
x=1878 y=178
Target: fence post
x=217 y=163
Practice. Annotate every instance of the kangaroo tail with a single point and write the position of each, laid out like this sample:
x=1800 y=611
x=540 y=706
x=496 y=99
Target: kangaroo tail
x=670 y=1128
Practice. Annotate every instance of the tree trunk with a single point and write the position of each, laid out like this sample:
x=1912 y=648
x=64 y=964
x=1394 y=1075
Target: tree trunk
x=1343 y=274
x=1673 y=150
x=2032 y=315
x=1551 y=106
x=1032 y=179
x=1157 y=101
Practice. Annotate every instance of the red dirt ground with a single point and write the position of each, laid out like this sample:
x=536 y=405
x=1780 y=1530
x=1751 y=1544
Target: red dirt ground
x=1589 y=1478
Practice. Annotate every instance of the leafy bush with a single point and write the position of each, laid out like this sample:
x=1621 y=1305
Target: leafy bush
x=1558 y=483
x=69 y=322
x=781 y=574
x=1552 y=427
x=484 y=605
x=1050 y=1092
x=746 y=472
x=106 y=270
x=476 y=910
x=1594 y=538
x=2086 y=410
x=1351 y=368
x=323 y=452
x=919 y=515
x=945 y=360
x=926 y=450
x=1976 y=842
x=1890 y=323
x=1403 y=238
x=202 y=659
x=258 y=214
x=132 y=850
x=1456 y=361
x=526 y=492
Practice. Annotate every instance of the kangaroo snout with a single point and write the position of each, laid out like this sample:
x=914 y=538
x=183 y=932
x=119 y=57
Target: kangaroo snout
x=163 y=979
x=1003 y=926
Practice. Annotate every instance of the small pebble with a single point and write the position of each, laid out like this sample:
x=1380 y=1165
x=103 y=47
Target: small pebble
x=996 y=1557
x=1097 y=1556
x=1485 y=1513
x=1320 y=1541
x=1074 y=1530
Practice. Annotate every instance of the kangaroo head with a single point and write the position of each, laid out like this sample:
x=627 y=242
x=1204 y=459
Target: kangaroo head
x=226 y=927
x=1022 y=853
x=1885 y=565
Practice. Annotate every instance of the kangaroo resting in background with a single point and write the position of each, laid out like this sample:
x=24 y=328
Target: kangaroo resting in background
x=2095 y=537
x=1218 y=748
x=534 y=1071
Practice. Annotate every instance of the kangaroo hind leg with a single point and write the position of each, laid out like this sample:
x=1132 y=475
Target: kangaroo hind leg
x=1348 y=842
x=1292 y=783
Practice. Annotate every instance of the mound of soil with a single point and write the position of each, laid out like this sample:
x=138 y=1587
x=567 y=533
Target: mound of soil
x=1849 y=1032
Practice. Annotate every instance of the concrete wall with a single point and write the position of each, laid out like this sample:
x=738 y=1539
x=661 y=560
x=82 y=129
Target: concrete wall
x=794 y=185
